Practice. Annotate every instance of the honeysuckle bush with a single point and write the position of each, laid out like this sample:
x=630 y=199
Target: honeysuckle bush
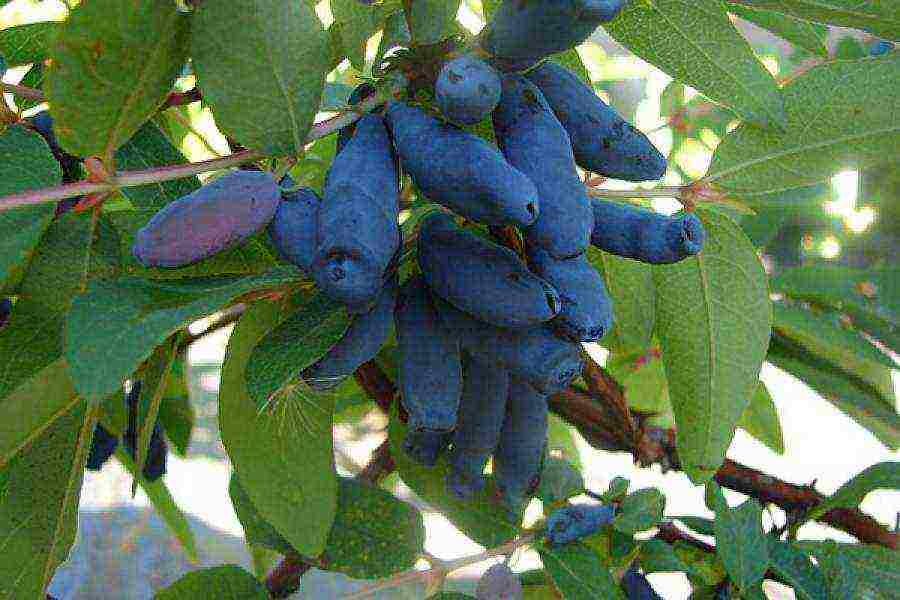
x=82 y=317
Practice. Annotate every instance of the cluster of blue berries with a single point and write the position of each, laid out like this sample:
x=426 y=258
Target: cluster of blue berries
x=485 y=333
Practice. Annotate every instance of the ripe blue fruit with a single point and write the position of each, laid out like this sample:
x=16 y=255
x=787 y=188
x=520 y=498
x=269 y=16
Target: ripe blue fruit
x=294 y=227
x=602 y=141
x=484 y=279
x=534 y=354
x=467 y=90
x=425 y=445
x=529 y=31
x=363 y=339
x=880 y=48
x=157 y=452
x=499 y=583
x=637 y=587
x=645 y=235
x=576 y=521
x=481 y=412
x=103 y=446
x=430 y=369
x=587 y=312
x=533 y=141
x=71 y=165
x=358 y=233
x=359 y=93
x=215 y=217
x=460 y=170
x=519 y=458
x=5 y=310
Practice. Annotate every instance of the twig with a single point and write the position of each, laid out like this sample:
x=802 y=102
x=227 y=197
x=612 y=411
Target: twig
x=376 y=384
x=226 y=318
x=439 y=571
x=181 y=98
x=671 y=191
x=22 y=91
x=174 y=99
x=170 y=172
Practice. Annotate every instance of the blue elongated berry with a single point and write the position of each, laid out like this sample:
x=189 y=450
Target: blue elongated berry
x=430 y=371
x=534 y=354
x=157 y=452
x=460 y=170
x=880 y=48
x=358 y=233
x=426 y=445
x=519 y=458
x=586 y=313
x=576 y=521
x=103 y=446
x=71 y=165
x=499 y=583
x=602 y=141
x=533 y=141
x=294 y=228
x=524 y=32
x=645 y=235
x=5 y=310
x=211 y=219
x=359 y=93
x=484 y=279
x=481 y=412
x=636 y=586
x=363 y=339
x=467 y=90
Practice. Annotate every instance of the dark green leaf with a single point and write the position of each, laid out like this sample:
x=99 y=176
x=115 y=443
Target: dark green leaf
x=26 y=163
x=176 y=415
x=257 y=530
x=618 y=489
x=430 y=21
x=296 y=343
x=578 y=573
x=229 y=582
x=713 y=327
x=24 y=44
x=795 y=568
x=639 y=511
x=741 y=543
x=698 y=524
x=696 y=43
x=658 y=557
x=336 y=96
x=876 y=567
x=116 y=325
x=358 y=22
x=884 y=475
x=630 y=286
x=760 y=419
x=804 y=34
x=560 y=480
x=881 y=17
x=284 y=455
x=153 y=386
x=841 y=578
x=265 y=84
x=843 y=114
x=147 y=149
x=39 y=492
x=396 y=33
x=114 y=63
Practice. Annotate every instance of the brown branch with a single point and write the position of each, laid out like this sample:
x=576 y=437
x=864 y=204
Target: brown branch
x=182 y=98
x=599 y=417
x=226 y=318
x=377 y=385
x=670 y=533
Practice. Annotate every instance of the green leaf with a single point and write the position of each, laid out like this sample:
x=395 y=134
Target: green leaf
x=696 y=43
x=876 y=567
x=741 y=543
x=760 y=419
x=115 y=325
x=698 y=524
x=880 y=17
x=26 y=163
x=841 y=579
x=658 y=557
x=482 y=518
x=713 y=323
x=147 y=149
x=357 y=23
x=176 y=415
x=562 y=441
x=578 y=573
x=618 y=489
x=640 y=511
x=843 y=114
x=265 y=85
x=857 y=400
x=24 y=44
x=296 y=343
x=257 y=531
x=113 y=64
x=701 y=566
x=153 y=386
x=39 y=492
x=884 y=475
x=396 y=33
x=283 y=455
x=430 y=21
x=560 y=480
x=870 y=296
x=253 y=257
x=228 y=582
x=630 y=286
x=796 y=570
x=164 y=504
x=806 y=35
x=644 y=378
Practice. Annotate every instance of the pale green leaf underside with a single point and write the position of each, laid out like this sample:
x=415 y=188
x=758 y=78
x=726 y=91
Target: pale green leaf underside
x=696 y=43
x=810 y=36
x=630 y=287
x=714 y=319
x=760 y=419
x=261 y=65
x=114 y=63
x=881 y=17
x=228 y=582
x=840 y=115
